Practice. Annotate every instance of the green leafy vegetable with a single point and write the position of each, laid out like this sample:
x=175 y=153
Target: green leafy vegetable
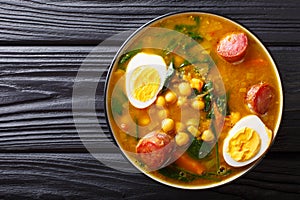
x=195 y=36
x=172 y=45
x=174 y=172
x=201 y=69
x=208 y=88
x=197 y=20
x=136 y=129
x=125 y=57
x=184 y=64
x=116 y=106
x=222 y=171
x=199 y=149
x=217 y=155
x=183 y=28
x=221 y=101
x=213 y=129
x=191 y=30
x=194 y=148
x=207 y=103
x=118 y=101
x=222 y=106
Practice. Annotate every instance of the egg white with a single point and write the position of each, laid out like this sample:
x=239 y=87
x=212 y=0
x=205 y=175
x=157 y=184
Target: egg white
x=143 y=61
x=255 y=123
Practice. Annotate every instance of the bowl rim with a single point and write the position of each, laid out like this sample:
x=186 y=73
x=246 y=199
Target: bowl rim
x=253 y=36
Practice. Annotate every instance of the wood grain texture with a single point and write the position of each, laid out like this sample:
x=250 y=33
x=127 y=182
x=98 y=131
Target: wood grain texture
x=80 y=176
x=88 y=22
x=42 y=46
x=36 y=86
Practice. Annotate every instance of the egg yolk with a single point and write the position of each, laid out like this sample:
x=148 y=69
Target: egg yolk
x=146 y=83
x=244 y=145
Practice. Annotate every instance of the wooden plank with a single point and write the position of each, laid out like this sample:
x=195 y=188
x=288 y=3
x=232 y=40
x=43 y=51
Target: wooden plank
x=80 y=176
x=36 y=86
x=88 y=22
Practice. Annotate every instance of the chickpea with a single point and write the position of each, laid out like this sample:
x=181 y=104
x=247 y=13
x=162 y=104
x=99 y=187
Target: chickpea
x=167 y=125
x=198 y=105
x=181 y=138
x=194 y=131
x=181 y=101
x=160 y=101
x=163 y=113
x=170 y=97
x=207 y=136
x=185 y=89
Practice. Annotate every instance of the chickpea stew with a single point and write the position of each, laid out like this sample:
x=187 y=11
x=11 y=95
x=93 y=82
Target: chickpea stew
x=193 y=100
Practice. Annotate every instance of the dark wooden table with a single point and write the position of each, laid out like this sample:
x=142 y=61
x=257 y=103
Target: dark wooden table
x=42 y=46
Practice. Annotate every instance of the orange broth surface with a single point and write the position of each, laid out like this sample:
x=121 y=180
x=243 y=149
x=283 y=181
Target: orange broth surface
x=255 y=67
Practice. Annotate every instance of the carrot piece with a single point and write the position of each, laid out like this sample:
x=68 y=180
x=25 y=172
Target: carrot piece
x=189 y=164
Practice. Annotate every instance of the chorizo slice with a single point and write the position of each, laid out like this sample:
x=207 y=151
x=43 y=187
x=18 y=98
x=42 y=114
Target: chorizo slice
x=259 y=98
x=154 y=149
x=233 y=47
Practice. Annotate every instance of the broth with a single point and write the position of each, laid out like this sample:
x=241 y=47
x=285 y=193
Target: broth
x=130 y=124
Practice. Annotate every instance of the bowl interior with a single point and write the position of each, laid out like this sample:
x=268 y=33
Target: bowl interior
x=222 y=74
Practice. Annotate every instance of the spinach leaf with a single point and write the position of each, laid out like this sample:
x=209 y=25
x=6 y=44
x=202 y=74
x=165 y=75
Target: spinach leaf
x=207 y=103
x=174 y=172
x=137 y=134
x=183 y=28
x=116 y=106
x=195 y=36
x=125 y=57
x=223 y=171
x=197 y=20
x=190 y=30
x=184 y=64
x=172 y=45
x=199 y=149
x=222 y=106
x=194 y=148
x=208 y=88
x=118 y=101
x=221 y=101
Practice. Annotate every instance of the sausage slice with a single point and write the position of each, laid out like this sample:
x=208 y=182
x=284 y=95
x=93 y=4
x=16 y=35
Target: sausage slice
x=154 y=149
x=259 y=98
x=233 y=47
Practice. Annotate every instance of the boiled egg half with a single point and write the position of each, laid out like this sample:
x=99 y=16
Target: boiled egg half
x=246 y=141
x=145 y=76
